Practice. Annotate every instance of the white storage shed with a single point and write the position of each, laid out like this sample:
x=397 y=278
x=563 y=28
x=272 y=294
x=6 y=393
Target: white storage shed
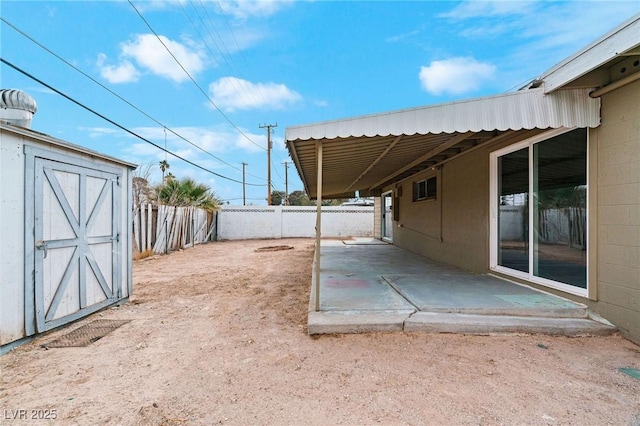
x=65 y=230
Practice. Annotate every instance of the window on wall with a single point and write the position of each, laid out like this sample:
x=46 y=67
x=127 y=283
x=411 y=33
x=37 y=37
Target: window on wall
x=539 y=229
x=425 y=189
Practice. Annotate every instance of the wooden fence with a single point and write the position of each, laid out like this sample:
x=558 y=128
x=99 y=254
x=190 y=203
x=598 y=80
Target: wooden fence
x=167 y=228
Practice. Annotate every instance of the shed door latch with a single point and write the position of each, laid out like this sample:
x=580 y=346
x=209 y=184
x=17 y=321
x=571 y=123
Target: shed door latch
x=42 y=245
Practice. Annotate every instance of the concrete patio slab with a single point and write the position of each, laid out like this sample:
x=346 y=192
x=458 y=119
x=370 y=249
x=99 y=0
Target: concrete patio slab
x=361 y=293
x=373 y=287
x=461 y=292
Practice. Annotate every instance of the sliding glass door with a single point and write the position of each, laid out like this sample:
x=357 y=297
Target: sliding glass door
x=539 y=224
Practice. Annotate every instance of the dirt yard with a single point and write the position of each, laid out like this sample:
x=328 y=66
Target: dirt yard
x=218 y=336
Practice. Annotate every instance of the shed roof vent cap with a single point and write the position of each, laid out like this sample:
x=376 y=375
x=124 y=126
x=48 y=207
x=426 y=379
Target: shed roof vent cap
x=17 y=107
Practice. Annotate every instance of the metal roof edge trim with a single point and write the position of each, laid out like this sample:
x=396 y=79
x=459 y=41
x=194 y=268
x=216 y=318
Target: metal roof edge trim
x=4 y=126
x=599 y=52
x=527 y=109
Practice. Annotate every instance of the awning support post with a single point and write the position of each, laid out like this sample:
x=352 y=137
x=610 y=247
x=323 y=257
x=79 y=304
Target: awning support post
x=318 y=223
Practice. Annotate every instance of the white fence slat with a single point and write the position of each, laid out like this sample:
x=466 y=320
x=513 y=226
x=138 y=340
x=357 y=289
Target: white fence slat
x=174 y=233
x=136 y=229
x=149 y=225
x=212 y=228
x=143 y=228
x=160 y=217
x=164 y=228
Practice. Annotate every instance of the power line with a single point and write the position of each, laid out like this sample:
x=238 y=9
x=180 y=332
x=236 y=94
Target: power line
x=27 y=36
x=195 y=83
x=211 y=37
x=233 y=35
x=228 y=58
x=191 y=78
x=229 y=61
x=195 y=27
x=80 y=104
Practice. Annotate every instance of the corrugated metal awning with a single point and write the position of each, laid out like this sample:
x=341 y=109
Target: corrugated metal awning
x=370 y=152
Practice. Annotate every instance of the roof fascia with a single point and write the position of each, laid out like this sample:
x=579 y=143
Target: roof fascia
x=6 y=127
x=613 y=44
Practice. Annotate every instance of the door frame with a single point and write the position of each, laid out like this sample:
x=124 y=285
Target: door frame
x=383 y=225
x=493 y=217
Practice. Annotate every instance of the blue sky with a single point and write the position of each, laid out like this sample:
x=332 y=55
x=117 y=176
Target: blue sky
x=242 y=64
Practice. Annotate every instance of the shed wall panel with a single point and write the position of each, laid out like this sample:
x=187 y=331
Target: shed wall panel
x=11 y=238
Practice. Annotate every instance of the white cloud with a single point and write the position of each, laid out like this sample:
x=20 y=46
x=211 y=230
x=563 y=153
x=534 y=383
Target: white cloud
x=124 y=72
x=218 y=140
x=566 y=25
x=155 y=5
x=221 y=140
x=455 y=75
x=243 y=9
x=211 y=140
x=258 y=142
x=540 y=33
x=150 y=53
x=402 y=37
x=473 y=9
x=96 y=132
x=231 y=93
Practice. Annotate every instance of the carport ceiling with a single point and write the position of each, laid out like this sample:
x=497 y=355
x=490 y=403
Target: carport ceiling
x=367 y=164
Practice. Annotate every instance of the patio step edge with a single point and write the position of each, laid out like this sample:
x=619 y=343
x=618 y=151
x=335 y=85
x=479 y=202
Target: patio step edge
x=433 y=322
x=350 y=322
x=573 y=312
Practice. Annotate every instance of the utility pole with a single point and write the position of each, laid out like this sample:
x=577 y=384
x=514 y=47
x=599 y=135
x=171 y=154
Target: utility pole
x=244 y=198
x=268 y=127
x=286 y=183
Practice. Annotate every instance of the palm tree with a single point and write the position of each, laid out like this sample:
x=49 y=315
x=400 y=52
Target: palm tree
x=186 y=192
x=164 y=165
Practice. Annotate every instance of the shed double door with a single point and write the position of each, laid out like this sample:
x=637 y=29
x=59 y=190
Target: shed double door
x=74 y=230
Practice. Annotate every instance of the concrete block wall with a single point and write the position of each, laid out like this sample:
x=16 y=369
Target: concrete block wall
x=618 y=210
x=377 y=217
x=272 y=222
